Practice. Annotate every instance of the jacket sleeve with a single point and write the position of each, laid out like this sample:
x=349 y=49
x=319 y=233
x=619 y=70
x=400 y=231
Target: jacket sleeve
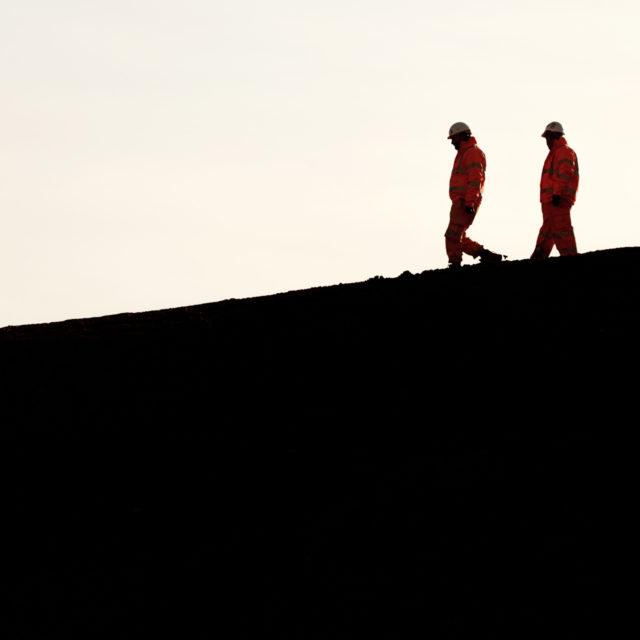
x=475 y=167
x=566 y=168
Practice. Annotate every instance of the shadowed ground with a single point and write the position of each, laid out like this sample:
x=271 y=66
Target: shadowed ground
x=443 y=454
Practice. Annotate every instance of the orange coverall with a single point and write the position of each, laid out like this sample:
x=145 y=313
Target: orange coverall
x=560 y=177
x=465 y=190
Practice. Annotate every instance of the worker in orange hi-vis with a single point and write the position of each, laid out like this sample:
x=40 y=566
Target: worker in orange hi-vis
x=465 y=189
x=558 y=189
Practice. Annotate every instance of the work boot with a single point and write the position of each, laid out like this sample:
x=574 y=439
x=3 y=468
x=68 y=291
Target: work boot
x=454 y=265
x=488 y=257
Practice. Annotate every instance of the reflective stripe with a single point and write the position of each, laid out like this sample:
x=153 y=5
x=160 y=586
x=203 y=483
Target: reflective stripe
x=564 y=190
x=474 y=184
x=466 y=169
x=566 y=160
x=457 y=188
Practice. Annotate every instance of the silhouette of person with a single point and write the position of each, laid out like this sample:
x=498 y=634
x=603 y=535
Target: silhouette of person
x=558 y=190
x=465 y=190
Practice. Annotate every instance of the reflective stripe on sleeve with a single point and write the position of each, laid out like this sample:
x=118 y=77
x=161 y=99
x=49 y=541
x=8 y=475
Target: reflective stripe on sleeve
x=466 y=169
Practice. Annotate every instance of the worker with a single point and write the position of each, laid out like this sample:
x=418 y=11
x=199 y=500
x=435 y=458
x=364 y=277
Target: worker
x=465 y=189
x=558 y=189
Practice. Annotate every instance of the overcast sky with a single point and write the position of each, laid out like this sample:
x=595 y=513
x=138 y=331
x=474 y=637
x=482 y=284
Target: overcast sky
x=157 y=154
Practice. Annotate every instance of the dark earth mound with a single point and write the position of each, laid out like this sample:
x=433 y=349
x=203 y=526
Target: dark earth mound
x=445 y=454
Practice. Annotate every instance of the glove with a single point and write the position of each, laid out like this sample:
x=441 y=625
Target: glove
x=470 y=210
x=555 y=200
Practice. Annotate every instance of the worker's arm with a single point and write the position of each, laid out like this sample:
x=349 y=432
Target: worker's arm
x=475 y=167
x=566 y=168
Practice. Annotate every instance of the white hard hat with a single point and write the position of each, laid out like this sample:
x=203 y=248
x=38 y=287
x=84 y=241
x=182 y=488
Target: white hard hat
x=553 y=127
x=458 y=127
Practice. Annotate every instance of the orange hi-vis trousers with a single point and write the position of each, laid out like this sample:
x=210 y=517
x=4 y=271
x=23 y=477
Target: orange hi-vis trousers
x=456 y=240
x=556 y=230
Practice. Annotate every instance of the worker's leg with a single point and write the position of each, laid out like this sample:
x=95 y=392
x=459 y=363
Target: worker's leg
x=562 y=231
x=545 y=241
x=470 y=247
x=456 y=239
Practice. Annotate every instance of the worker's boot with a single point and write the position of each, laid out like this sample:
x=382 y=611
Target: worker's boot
x=488 y=257
x=454 y=265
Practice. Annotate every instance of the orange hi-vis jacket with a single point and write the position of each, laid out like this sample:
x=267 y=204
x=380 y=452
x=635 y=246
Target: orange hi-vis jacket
x=560 y=175
x=467 y=176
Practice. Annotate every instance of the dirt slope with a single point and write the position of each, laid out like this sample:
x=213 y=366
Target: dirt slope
x=438 y=453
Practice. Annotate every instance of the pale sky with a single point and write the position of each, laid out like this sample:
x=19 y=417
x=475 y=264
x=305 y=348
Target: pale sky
x=157 y=154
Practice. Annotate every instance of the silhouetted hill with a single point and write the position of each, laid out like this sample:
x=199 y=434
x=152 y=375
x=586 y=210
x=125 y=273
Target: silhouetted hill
x=441 y=454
